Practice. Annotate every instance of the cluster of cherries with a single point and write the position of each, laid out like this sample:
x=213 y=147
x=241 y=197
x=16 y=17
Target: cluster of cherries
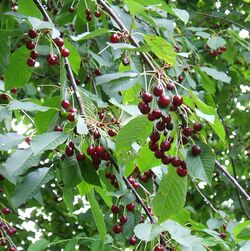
x=216 y=52
x=5 y=229
x=51 y=58
x=5 y=96
x=71 y=113
x=163 y=125
x=89 y=16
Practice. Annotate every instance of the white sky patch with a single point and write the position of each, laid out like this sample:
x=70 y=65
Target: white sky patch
x=244 y=34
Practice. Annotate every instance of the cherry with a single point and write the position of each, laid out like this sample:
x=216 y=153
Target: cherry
x=58 y=128
x=65 y=52
x=136 y=185
x=6 y=210
x=117 y=229
x=32 y=33
x=88 y=11
x=123 y=219
x=180 y=78
x=158 y=91
x=115 y=209
x=30 y=45
x=184 y=140
x=31 y=62
x=223 y=48
x=159 y=248
x=163 y=101
x=154 y=136
x=125 y=61
x=12 y=249
x=144 y=108
x=59 y=42
x=69 y=151
x=197 y=126
x=223 y=235
x=196 y=150
x=71 y=9
x=80 y=156
x=28 y=140
x=177 y=100
x=111 y=132
x=176 y=48
x=165 y=160
x=100 y=150
x=65 y=104
x=182 y=172
x=159 y=154
x=175 y=161
x=132 y=240
x=97 y=13
x=71 y=116
x=160 y=126
x=3 y=242
x=147 y=97
x=14 y=90
x=165 y=146
x=130 y=207
x=96 y=134
x=74 y=110
x=170 y=126
x=115 y=38
x=156 y=113
x=89 y=17
x=170 y=86
x=151 y=117
x=4 y=96
x=166 y=119
x=34 y=54
x=153 y=146
x=187 y=131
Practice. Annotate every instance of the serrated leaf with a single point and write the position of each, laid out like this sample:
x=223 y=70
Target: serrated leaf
x=244 y=234
x=161 y=48
x=28 y=8
x=171 y=195
x=216 y=42
x=201 y=166
x=39 y=245
x=147 y=231
x=19 y=162
x=237 y=230
x=84 y=187
x=74 y=57
x=47 y=141
x=217 y=75
x=31 y=184
x=10 y=140
x=27 y=106
x=97 y=214
x=18 y=64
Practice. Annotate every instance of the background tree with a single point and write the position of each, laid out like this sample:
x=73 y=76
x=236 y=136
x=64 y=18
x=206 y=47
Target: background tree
x=124 y=125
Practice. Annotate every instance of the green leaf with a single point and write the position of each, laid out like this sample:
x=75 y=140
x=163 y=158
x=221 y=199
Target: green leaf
x=47 y=141
x=244 y=234
x=217 y=75
x=215 y=42
x=97 y=214
x=81 y=127
x=161 y=48
x=206 y=82
x=74 y=57
x=239 y=228
x=39 y=245
x=19 y=162
x=28 y=8
x=129 y=47
x=70 y=172
x=134 y=7
x=71 y=245
x=182 y=15
x=207 y=117
x=10 y=140
x=89 y=35
x=136 y=130
x=4 y=113
x=4 y=51
x=18 y=64
x=182 y=217
x=27 y=106
x=201 y=166
x=68 y=198
x=31 y=184
x=147 y=231
x=84 y=187
x=171 y=195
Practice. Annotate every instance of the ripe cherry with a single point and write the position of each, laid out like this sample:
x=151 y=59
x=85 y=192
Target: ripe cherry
x=197 y=126
x=32 y=33
x=156 y=113
x=115 y=38
x=123 y=219
x=180 y=78
x=3 y=242
x=12 y=249
x=59 y=42
x=97 y=13
x=153 y=146
x=71 y=116
x=177 y=100
x=165 y=160
x=31 y=62
x=14 y=90
x=169 y=126
x=34 y=54
x=89 y=17
x=151 y=116
x=147 y=97
x=196 y=150
x=130 y=207
x=187 y=131
x=163 y=101
x=65 y=104
x=69 y=151
x=125 y=61
x=175 y=161
x=165 y=146
x=223 y=235
x=166 y=119
x=159 y=154
x=88 y=11
x=160 y=126
x=96 y=134
x=91 y=150
x=65 y=52
x=182 y=172
x=158 y=91
x=100 y=150
x=115 y=209
x=6 y=210
x=111 y=132
x=170 y=86
x=132 y=240
x=80 y=156
x=28 y=140
x=30 y=45
x=154 y=136
x=117 y=229
x=159 y=248
x=144 y=108
x=71 y=9
x=58 y=128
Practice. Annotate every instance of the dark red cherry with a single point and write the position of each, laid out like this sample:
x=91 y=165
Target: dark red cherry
x=6 y=210
x=165 y=160
x=65 y=104
x=144 y=108
x=166 y=119
x=187 y=131
x=147 y=97
x=180 y=78
x=157 y=113
x=115 y=38
x=197 y=126
x=97 y=13
x=13 y=90
x=196 y=150
x=65 y=52
x=151 y=116
x=177 y=100
x=71 y=9
x=153 y=146
x=175 y=161
x=132 y=240
x=115 y=209
x=111 y=132
x=123 y=219
x=32 y=33
x=154 y=136
x=87 y=11
x=130 y=207
x=165 y=146
x=58 y=128
x=170 y=86
x=163 y=101
x=71 y=116
x=80 y=156
x=160 y=126
x=158 y=91
x=34 y=54
x=159 y=154
x=91 y=150
x=159 y=248
x=59 y=42
x=31 y=62
x=223 y=235
x=117 y=229
x=69 y=151
x=30 y=45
